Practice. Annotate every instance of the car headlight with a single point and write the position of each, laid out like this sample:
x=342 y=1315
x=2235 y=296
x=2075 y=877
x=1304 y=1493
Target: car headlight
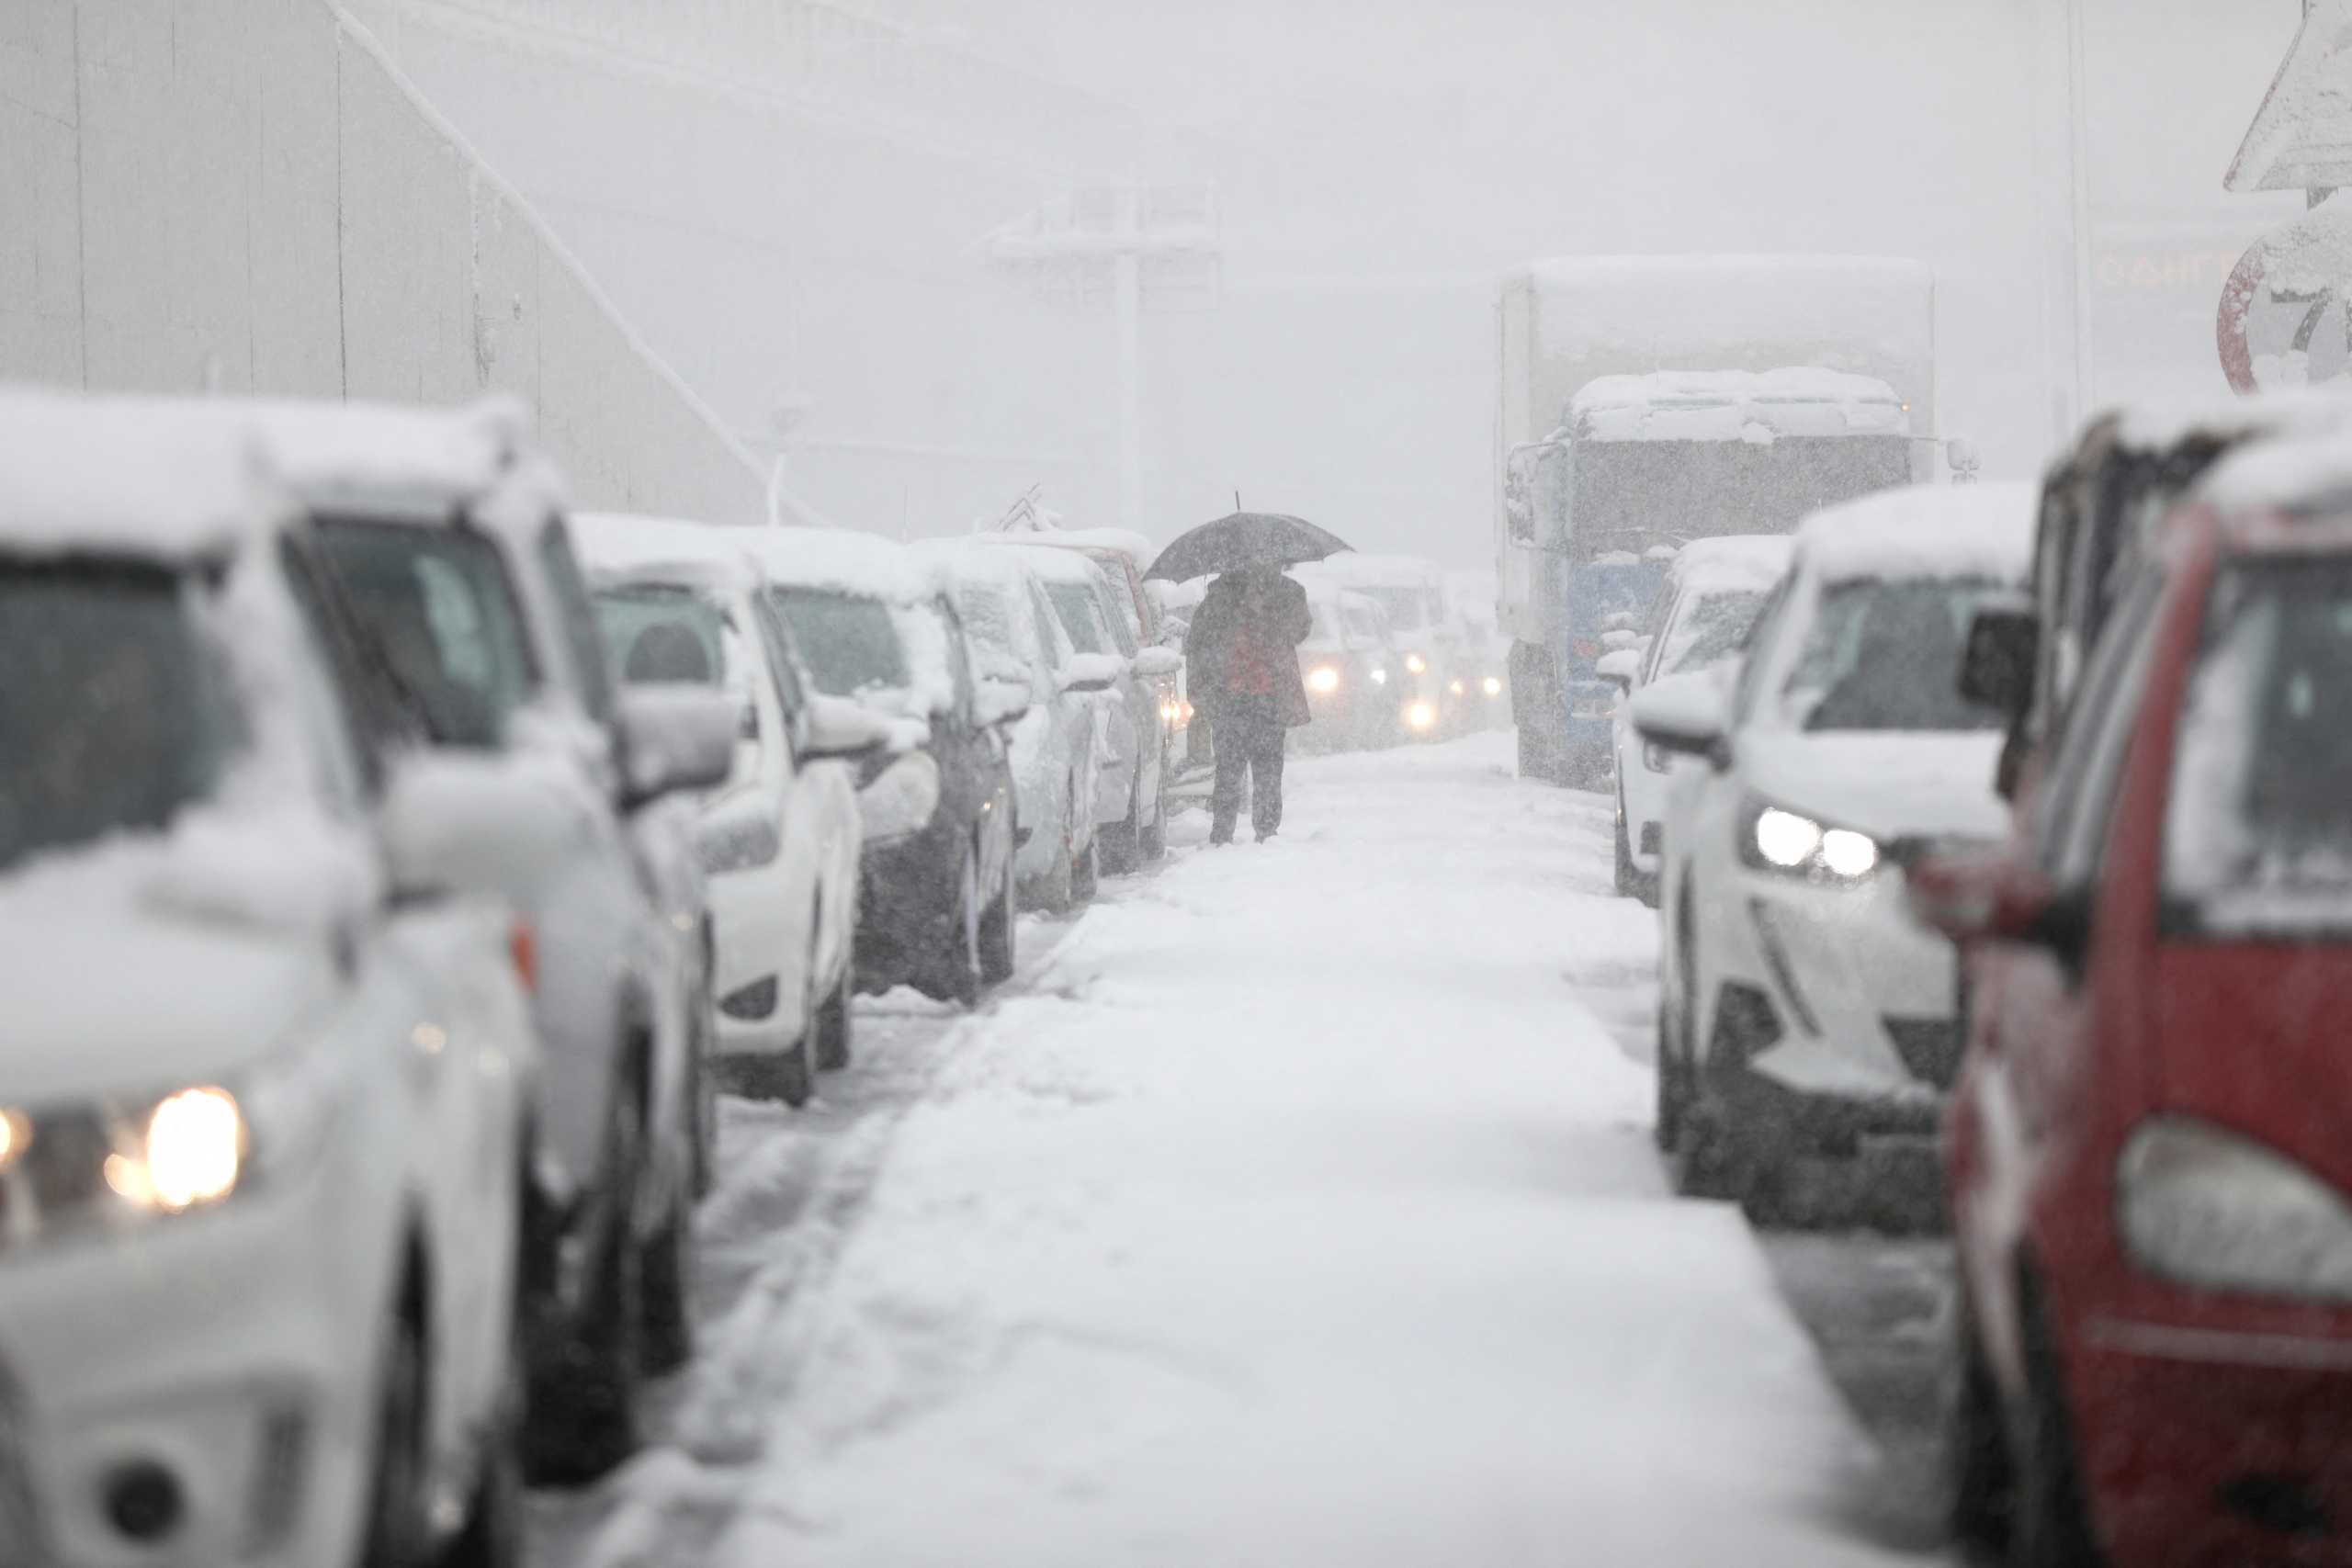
x=2211 y=1207
x=119 y=1161
x=1492 y=685
x=739 y=838
x=1323 y=680
x=1379 y=677
x=1420 y=714
x=1773 y=838
x=1457 y=688
x=1415 y=665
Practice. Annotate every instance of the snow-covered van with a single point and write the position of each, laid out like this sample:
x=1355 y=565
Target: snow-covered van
x=1646 y=400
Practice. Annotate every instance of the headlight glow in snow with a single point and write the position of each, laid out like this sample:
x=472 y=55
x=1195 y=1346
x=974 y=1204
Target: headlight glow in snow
x=1773 y=838
x=1420 y=715
x=1415 y=664
x=1492 y=685
x=2208 y=1206
x=1456 y=688
x=1379 y=677
x=196 y=1143
x=1323 y=680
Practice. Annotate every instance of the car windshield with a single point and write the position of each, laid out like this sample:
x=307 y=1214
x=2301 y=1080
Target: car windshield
x=439 y=613
x=1711 y=628
x=113 y=713
x=850 y=642
x=1886 y=656
x=2258 y=821
x=1074 y=604
x=663 y=634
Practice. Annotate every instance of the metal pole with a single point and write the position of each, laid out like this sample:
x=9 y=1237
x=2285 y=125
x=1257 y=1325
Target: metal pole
x=1128 y=310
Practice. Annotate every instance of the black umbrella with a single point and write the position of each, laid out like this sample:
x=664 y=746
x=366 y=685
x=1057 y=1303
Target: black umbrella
x=1246 y=538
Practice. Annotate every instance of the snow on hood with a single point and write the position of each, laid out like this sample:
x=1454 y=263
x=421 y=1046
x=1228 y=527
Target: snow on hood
x=1755 y=561
x=840 y=558
x=216 y=937
x=1983 y=532
x=1889 y=784
x=1735 y=405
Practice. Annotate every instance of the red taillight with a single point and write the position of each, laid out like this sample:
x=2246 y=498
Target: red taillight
x=1585 y=649
x=524 y=949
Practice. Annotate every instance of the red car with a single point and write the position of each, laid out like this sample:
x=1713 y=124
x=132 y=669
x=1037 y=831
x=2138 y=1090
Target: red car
x=2150 y=1148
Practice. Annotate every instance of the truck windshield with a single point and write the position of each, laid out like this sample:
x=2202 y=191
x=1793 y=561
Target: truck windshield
x=1634 y=494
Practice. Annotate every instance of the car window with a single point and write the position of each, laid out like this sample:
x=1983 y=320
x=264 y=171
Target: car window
x=576 y=618
x=358 y=717
x=850 y=641
x=2086 y=766
x=115 y=709
x=1885 y=656
x=1123 y=637
x=784 y=662
x=2258 y=819
x=1756 y=653
x=1080 y=616
x=989 y=619
x=1050 y=640
x=960 y=662
x=438 y=612
x=1709 y=626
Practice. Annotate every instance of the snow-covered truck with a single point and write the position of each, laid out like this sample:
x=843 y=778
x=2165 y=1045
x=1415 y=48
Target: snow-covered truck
x=1645 y=401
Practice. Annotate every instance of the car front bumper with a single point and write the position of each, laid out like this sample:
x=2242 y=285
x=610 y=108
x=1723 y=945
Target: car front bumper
x=2216 y=1447
x=233 y=1353
x=753 y=959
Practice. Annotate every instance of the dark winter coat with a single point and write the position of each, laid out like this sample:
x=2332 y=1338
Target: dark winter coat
x=1275 y=609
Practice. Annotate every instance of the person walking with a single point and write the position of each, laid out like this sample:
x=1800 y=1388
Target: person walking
x=1243 y=650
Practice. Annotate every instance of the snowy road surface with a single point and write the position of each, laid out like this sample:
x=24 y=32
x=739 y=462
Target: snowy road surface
x=1297 y=1206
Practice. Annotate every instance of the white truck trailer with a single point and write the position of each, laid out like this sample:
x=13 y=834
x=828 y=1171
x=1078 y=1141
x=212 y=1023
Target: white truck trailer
x=1644 y=402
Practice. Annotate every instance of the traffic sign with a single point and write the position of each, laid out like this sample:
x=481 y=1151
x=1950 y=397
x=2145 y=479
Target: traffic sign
x=2286 y=317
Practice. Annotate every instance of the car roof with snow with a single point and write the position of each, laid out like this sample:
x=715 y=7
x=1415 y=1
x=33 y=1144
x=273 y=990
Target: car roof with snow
x=129 y=476
x=843 y=560
x=1755 y=406
x=616 y=546
x=1982 y=531
x=1055 y=565
x=1118 y=541
x=1733 y=561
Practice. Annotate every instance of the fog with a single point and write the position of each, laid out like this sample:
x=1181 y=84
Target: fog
x=1376 y=167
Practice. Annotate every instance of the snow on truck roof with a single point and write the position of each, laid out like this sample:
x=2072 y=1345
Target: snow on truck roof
x=1925 y=531
x=1759 y=406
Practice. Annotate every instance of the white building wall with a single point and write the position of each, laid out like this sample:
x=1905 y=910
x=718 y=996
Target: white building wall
x=244 y=195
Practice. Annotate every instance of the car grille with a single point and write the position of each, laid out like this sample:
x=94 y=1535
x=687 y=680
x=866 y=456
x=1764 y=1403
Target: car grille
x=1930 y=1048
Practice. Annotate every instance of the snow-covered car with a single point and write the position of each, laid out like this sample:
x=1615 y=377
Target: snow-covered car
x=937 y=906
x=1131 y=786
x=1483 y=670
x=1021 y=654
x=448 y=543
x=1411 y=593
x=681 y=604
x=266 y=1099
x=1801 y=1008
x=1347 y=665
x=1714 y=592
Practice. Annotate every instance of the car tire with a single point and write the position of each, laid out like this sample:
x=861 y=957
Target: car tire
x=1673 y=1093
x=2050 y=1523
x=1976 y=1447
x=1119 y=846
x=494 y=1530
x=702 y=1088
x=1702 y=1167
x=832 y=1028
x=585 y=1418
x=1000 y=930
x=1154 y=841
x=958 y=977
x=1085 y=875
x=396 y=1519
x=668 y=1273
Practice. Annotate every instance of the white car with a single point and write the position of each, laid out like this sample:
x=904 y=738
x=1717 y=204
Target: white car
x=681 y=604
x=1022 y=655
x=1131 y=790
x=1712 y=593
x=265 y=1096
x=1430 y=656
x=1802 y=1010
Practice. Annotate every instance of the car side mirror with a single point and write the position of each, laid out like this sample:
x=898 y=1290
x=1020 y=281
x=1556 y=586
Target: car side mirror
x=1154 y=662
x=1990 y=897
x=496 y=822
x=1996 y=668
x=1000 y=701
x=1619 y=669
x=841 y=728
x=1091 y=672
x=1686 y=714
x=675 y=738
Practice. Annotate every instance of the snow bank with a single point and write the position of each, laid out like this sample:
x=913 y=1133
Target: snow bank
x=1760 y=407
x=1979 y=531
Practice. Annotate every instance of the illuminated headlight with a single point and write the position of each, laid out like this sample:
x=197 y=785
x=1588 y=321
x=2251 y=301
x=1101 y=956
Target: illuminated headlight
x=1323 y=680
x=194 y=1146
x=1458 y=689
x=2211 y=1207
x=1379 y=677
x=1492 y=685
x=1420 y=715
x=1415 y=665
x=1774 y=838
x=739 y=838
